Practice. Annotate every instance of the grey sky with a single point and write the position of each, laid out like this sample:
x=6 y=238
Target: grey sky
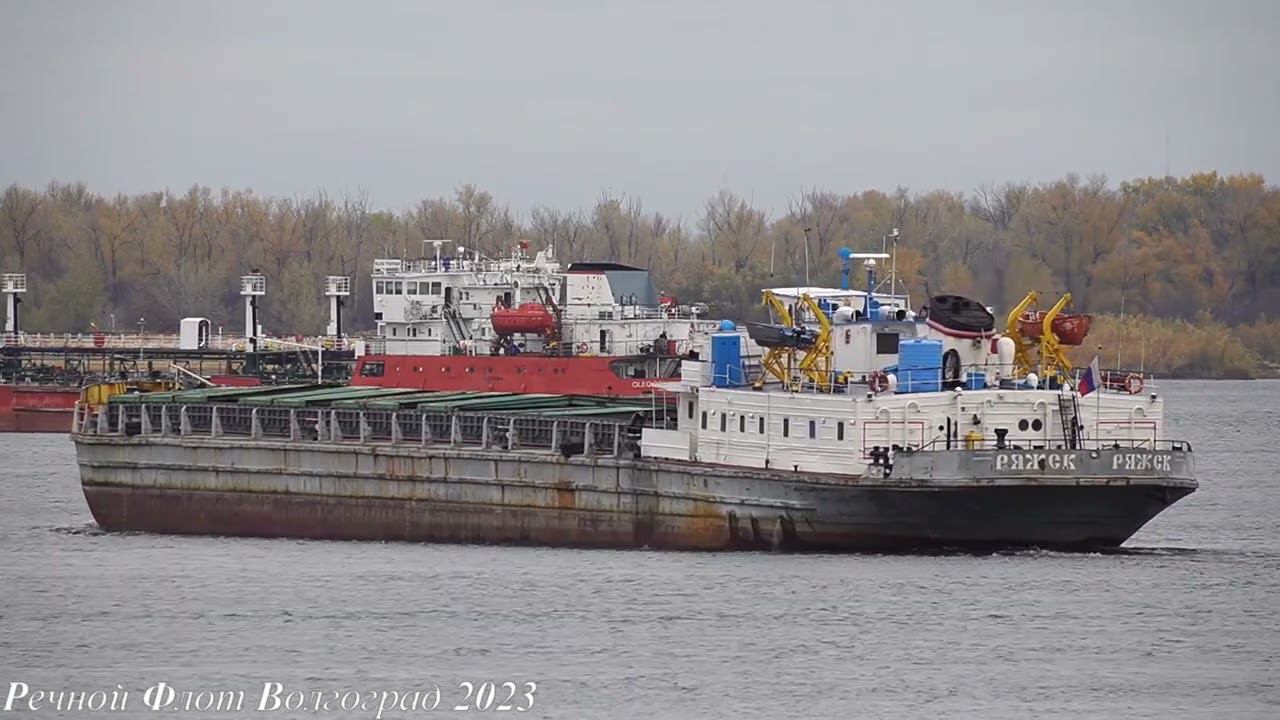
x=552 y=102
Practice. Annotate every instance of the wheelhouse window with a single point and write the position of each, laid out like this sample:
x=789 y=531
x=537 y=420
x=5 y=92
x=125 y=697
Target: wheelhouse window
x=724 y=422
x=761 y=430
x=742 y=423
x=786 y=427
x=840 y=430
x=813 y=429
x=690 y=409
x=704 y=419
x=886 y=343
x=373 y=369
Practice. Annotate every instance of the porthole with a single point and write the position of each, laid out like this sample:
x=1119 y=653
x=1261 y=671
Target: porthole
x=1022 y=424
x=1037 y=425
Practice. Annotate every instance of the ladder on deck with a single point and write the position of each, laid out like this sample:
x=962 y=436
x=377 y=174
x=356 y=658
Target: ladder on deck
x=457 y=328
x=1069 y=414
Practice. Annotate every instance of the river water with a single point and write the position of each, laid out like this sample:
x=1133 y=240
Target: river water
x=1181 y=624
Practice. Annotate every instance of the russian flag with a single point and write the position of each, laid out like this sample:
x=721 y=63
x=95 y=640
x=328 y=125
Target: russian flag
x=1089 y=381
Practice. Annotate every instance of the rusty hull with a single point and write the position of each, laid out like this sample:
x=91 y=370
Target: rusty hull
x=189 y=485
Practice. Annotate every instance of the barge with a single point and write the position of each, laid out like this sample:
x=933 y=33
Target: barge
x=886 y=432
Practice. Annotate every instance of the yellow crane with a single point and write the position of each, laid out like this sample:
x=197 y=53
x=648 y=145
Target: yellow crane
x=791 y=364
x=1051 y=359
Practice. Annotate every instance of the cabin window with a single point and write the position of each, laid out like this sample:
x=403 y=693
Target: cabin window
x=372 y=369
x=411 y=288
x=813 y=429
x=761 y=431
x=1023 y=424
x=886 y=343
x=724 y=422
x=399 y=288
x=704 y=419
x=1037 y=425
x=742 y=423
x=786 y=427
x=690 y=409
x=394 y=333
x=378 y=287
x=435 y=288
x=840 y=430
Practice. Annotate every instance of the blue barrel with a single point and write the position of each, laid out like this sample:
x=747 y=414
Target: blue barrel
x=975 y=380
x=919 y=365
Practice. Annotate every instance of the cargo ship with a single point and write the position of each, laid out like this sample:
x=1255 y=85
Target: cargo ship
x=880 y=431
x=459 y=321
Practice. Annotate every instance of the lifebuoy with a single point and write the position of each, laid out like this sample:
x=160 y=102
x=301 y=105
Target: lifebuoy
x=878 y=382
x=583 y=348
x=1133 y=383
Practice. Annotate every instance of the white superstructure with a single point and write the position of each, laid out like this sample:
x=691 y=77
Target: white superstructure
x=443 y=306
x=836 y=433
x=839 y=389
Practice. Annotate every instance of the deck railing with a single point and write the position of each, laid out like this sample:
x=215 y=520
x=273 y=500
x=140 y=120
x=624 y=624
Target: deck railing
x=1080 y=444
x=340 y=425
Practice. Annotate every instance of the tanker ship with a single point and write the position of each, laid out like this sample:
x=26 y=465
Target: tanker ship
x=864 y=428
x=459 y=321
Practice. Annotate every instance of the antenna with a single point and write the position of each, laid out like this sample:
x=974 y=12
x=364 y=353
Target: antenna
x=893 y=266
x=806 y=256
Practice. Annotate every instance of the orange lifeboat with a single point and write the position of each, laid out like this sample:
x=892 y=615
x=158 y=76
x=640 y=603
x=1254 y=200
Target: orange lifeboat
x=1070 y=329
x=529 y=318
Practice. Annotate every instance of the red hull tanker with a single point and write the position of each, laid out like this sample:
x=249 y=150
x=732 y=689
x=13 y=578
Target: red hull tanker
x=601 y=376
x=37 y=408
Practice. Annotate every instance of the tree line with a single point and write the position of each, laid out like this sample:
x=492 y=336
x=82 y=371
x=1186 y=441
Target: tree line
x=1202 y=249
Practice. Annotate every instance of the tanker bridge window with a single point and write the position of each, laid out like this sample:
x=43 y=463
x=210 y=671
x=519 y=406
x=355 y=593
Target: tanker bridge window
x=886 y=343
x=372 y=369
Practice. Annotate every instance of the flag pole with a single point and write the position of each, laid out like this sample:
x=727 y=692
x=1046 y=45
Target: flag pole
x=1097 y=408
